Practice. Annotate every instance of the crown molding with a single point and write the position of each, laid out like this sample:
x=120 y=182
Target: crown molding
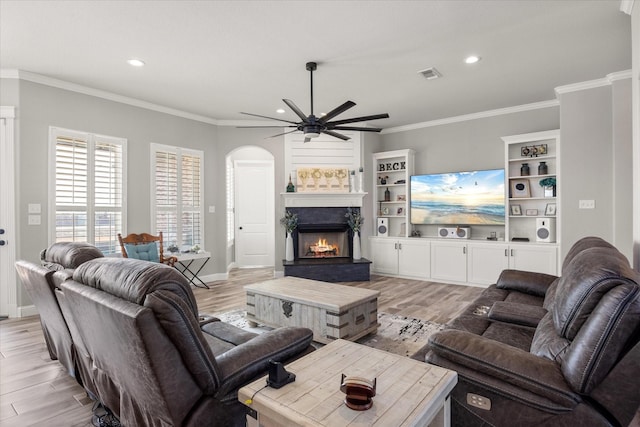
x=73 y=87
x=474 y=116
x=591 y=84
x=626 y=6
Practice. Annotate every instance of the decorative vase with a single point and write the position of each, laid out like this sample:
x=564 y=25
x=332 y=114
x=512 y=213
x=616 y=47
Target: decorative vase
x=352 y=182
x=387 y=195
x=356 y=245
x=542 y=168
x=524 y=169
x=360 y=181
x=288 y=255
x=550 y=191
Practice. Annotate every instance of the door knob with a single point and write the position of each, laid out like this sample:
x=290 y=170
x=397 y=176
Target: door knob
x=239 y=228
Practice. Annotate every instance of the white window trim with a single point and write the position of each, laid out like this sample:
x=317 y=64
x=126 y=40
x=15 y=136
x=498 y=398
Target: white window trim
x=179 y=151
x=91 y=137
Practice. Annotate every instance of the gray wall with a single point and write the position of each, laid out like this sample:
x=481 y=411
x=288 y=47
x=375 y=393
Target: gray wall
x=595 y=136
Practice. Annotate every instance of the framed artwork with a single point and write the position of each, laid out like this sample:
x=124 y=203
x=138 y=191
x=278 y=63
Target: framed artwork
x=520 y=188
x=550 y=210
x=400 y=210
x=532 y=212
x=516 y=210
x=385 y=211
x=402 y=197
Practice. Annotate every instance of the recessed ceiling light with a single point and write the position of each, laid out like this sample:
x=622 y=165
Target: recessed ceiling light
x=280 y=111
x=472 y=59
x=135 y=62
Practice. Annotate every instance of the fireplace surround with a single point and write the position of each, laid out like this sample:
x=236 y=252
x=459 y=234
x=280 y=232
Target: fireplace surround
x=323 y=247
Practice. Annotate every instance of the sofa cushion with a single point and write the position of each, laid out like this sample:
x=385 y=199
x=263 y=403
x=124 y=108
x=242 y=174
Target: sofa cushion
x=517 y=313
x=546 y=342
x=68 y=255
x=133 y=280
x=143 y=251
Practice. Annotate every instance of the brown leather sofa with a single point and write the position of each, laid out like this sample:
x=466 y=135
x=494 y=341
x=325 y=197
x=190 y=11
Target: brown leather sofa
x=40 y=284
x=155 y=364
x=536 y=350
x=139 y=345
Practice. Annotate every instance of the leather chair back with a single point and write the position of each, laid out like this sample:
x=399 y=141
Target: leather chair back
x=153 y=364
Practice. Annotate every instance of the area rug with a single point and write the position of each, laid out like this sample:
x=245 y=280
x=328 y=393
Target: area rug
x=396 y=334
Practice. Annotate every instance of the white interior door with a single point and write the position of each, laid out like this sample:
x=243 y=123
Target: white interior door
x=8 y=288
x=254 y=218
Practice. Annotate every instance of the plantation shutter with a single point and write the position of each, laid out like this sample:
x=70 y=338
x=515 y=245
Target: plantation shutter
x=88 y=188
x=177 y=202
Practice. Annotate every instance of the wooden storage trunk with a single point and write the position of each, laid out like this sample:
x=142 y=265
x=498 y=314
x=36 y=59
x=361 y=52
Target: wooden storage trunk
x=331 y=311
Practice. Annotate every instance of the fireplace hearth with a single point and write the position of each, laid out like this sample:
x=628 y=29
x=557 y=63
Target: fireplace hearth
x=323 y=247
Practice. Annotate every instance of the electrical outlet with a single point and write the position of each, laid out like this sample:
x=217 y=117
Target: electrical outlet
x=478 y=401
x=587 y=204
x=212 y=209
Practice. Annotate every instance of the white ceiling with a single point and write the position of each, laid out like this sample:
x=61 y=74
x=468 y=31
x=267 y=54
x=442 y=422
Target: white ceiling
x=217 y=58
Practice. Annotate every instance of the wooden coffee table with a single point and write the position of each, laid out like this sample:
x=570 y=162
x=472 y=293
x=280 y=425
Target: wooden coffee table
x=409 y=393
x=331 y=311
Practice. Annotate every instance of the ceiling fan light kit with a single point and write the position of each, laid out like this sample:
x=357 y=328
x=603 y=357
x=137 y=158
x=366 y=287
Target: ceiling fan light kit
x=312 y=126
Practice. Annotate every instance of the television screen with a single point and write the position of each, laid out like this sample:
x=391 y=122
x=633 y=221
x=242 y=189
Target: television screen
x=459 y=198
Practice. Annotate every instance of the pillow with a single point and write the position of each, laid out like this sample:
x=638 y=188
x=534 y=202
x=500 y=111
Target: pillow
x=146 y=252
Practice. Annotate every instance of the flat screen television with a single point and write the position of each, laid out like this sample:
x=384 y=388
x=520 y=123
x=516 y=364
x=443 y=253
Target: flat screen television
x=459 y=198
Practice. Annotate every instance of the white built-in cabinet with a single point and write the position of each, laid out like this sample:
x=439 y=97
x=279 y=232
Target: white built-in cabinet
x=474 y=262
x=482 y=262
x=393 y=170
x=400 y=257
x=458 y=261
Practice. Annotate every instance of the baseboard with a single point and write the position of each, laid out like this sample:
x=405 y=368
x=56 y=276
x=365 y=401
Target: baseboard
x=231 y=266
x=278 y=273
x=27 y=310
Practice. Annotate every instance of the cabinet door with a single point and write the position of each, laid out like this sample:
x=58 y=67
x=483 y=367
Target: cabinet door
x=449 y=261
x=485 y=262
x=384 y=256
x=537 y=258
x=414 y=258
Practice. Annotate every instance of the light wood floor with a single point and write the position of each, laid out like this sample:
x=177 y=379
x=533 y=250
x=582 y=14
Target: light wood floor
x=34 y=390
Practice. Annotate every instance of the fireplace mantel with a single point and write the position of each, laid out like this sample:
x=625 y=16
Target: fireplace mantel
x=322 y=200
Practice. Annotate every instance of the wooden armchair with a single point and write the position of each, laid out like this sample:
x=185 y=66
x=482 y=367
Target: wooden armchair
x=146 y=247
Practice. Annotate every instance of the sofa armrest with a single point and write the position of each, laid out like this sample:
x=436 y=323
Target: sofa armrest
x=506 y=368
x=204 y=319
x=517 y=313
x=525 y=281
x=245 y=362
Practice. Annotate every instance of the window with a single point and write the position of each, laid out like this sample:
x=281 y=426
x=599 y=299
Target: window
x=177 y=198
x=87 y=188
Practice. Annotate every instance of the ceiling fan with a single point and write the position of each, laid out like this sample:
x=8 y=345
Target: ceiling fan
x=313 y=126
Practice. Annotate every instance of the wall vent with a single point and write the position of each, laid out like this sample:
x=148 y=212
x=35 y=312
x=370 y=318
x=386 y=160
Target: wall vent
x=430 y=73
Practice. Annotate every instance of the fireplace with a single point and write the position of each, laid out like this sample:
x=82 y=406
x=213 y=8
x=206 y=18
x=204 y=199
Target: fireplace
x=323 y=247
x=323 y=241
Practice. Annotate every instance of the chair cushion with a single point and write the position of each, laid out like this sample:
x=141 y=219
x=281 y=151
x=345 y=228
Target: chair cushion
x=144 y=251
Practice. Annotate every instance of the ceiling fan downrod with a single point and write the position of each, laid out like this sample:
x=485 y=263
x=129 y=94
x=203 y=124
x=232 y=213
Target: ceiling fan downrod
x=311 y=67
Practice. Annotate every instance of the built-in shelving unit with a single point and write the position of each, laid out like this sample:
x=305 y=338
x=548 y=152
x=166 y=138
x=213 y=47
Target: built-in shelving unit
x=531 y=206
x=393 y=169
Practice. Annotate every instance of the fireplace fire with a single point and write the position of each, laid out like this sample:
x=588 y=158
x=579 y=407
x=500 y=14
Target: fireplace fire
x=323 y=244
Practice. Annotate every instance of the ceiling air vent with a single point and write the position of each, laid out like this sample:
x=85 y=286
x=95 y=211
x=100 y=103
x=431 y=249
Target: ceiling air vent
x=430 y=73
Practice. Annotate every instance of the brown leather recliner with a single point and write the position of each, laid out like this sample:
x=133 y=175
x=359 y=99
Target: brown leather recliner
x=40 y=284
x=154 y=363
x=580 y=367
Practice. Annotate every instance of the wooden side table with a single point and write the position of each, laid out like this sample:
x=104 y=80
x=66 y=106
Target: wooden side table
x=409 y=393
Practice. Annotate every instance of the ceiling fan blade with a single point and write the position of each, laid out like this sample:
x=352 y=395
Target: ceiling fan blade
x=295 y=109
x=283 y=133
x=336 y=135
x=357 y=128
x=338 y=110
x=270 y=118
x=265 y=127
x=359 y=119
